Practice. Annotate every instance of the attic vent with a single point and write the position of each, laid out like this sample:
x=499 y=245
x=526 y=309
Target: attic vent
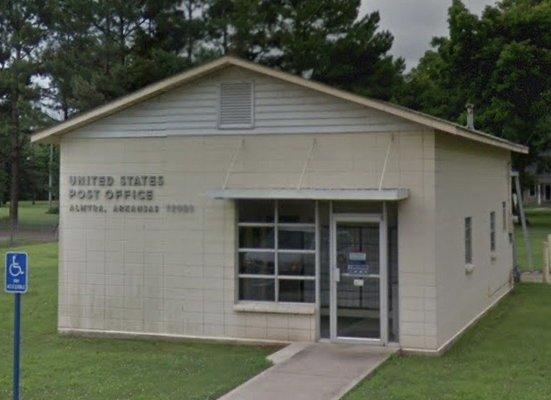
x=236 y=105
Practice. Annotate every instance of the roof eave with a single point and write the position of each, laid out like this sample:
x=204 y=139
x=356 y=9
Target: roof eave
x=492 y=140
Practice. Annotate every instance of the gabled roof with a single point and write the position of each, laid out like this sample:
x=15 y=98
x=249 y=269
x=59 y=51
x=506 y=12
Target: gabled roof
x=51 y=134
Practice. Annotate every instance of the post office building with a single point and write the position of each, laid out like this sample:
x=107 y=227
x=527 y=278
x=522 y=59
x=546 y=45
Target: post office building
x=238 y=202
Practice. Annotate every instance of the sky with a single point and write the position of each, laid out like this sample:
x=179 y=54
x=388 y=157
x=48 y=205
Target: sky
x=415 y=22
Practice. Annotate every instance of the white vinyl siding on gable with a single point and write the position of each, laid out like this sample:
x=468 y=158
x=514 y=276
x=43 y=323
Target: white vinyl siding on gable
x=279 y=107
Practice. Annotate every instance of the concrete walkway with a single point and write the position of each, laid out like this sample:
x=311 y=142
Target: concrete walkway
x=319 y=371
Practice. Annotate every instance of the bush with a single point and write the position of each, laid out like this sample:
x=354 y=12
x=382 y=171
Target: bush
x=53 y=210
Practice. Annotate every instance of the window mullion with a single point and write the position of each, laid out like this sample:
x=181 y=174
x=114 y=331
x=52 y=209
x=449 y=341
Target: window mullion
x=298 y=251
x=255 y=250
x=255 y=276
x=296 y=225
x=297 y=277
x=255 y=224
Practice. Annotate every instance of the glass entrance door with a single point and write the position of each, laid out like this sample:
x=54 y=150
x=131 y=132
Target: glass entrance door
x=359 y=262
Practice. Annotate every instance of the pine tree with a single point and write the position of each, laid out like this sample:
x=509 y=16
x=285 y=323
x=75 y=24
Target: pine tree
x=319 y=39
x=22 y=35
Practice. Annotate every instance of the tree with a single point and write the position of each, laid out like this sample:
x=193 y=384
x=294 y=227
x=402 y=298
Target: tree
x=499 y=62
x=22 y=33
x=67 y=58
x=358 y=61
x=241 y=27
x=171 y=40
x=322 y=39
x=99 y=50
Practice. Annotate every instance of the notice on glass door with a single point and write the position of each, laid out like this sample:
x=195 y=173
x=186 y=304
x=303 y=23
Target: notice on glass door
x=357 y=264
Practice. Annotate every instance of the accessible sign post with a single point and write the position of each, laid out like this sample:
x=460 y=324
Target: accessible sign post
x=17 y=279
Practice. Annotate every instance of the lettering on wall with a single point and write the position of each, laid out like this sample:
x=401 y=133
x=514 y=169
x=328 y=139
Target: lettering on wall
x=120 y=194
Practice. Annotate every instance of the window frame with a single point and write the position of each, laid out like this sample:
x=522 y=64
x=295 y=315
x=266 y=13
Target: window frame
x=493 y=231
x=468 y=240
x=276 y=251
x=504 y=215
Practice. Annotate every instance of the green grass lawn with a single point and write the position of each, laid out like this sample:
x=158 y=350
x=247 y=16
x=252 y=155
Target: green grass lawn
x=540 y=226
x=31 y=216
x=36 y=225
x=506 y=356
x=56 y=367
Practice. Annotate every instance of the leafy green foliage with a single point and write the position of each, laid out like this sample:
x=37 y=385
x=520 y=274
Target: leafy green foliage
x=22 y=35
x=324 y=40
x=499 y=62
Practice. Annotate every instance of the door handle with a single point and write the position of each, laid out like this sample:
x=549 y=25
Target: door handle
x=337 y=274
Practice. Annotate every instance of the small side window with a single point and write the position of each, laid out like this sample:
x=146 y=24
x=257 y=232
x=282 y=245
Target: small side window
x=468 y=240
x=493 y=231
x=504 y=215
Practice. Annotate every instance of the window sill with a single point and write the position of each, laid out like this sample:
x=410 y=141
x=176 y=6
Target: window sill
x=275 y=308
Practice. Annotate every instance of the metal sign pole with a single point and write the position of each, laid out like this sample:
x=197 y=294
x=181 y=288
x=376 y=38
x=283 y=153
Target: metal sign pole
x=17 y=283
x=16 y=345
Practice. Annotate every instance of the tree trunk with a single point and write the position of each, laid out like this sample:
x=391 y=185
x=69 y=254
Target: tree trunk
x=15 y=157
x=14 y=189
x=50 y=176
x=190 y=38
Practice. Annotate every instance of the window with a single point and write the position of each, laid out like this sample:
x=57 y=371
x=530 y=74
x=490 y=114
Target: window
x=532 y=190
x=468 y=240
x=277 y=251
x=493 y=231
x=236 y=107
x=504 y=215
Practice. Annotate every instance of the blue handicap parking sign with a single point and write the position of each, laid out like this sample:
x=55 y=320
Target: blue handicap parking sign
x=17 y=276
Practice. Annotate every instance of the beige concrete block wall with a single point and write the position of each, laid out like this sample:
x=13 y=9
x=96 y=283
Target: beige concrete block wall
x=175 y=274
x=471 y=180
x=159 y=273
x=416 y=247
